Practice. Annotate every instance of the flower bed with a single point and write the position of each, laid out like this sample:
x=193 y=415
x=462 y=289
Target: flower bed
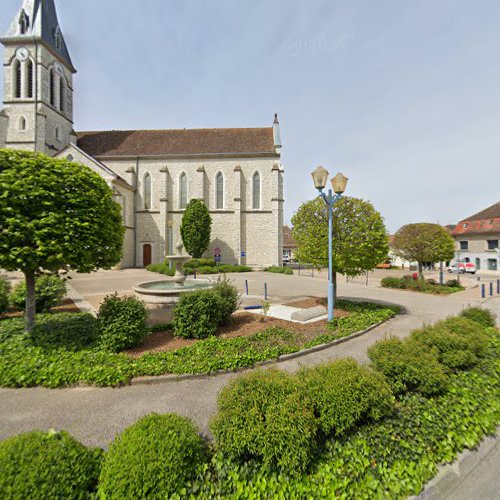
x=53 y=356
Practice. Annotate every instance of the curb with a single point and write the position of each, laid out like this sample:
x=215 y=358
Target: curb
x=147 y=380
x=450 y=476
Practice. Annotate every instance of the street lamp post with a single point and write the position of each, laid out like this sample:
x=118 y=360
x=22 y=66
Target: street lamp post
x=339 y=183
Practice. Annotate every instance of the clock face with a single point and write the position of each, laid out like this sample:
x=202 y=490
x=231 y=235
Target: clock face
x=22 y=53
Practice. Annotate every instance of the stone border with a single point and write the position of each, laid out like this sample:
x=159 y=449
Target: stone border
x=173 y=377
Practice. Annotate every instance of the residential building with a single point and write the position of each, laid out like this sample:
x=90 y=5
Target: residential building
x=477 y=239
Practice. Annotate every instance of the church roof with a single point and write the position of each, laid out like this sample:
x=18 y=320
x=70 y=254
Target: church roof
x=184 y=142
x=40 y=22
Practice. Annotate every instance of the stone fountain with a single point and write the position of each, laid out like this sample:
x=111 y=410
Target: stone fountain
x=167 y=291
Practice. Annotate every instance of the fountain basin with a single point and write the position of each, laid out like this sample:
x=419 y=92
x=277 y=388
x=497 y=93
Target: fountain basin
x=168 y=292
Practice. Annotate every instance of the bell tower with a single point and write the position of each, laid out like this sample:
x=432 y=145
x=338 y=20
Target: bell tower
x=38 y=82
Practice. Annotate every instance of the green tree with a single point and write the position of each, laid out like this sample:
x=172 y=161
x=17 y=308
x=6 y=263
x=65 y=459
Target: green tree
x=359 y=236
x=54 y=214
x=424 y=242
x=196 y=227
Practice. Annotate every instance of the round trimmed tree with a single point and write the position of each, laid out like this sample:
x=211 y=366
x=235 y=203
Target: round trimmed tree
x=359 y=236
x=196 y=227
x=55 y=215
x=424 y=242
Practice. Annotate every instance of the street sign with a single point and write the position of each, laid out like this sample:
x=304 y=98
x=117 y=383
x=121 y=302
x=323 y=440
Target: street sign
x=243 y=254
x=217 y=251
x=217 y=258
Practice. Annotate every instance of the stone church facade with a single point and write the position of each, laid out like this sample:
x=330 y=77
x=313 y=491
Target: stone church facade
x=236 y=172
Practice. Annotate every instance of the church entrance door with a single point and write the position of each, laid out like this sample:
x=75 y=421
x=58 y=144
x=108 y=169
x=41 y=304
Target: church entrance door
x=146 y=255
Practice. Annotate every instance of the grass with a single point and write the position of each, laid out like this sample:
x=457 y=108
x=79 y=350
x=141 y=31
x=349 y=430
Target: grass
x=62 y=350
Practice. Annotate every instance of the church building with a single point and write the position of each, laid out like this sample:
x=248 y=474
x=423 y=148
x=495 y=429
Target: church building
x=236 y=172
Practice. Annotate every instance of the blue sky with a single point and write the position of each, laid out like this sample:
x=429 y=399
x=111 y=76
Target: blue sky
x=402 y=97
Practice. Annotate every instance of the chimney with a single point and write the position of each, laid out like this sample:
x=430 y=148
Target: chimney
x=276 y=133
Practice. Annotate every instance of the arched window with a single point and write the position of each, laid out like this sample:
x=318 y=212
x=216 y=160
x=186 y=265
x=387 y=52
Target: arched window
x=62 y=95
x=219 y=191
x=29 y=77
x=183 y=191
x=22 y=123
x=256 y=191
x=17 y=79
x=23 y=23
x=52 y=87
x=58 y=134
x=147 y=192
x=58 y=38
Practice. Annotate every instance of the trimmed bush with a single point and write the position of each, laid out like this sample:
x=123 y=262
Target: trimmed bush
x=156 y=457
x=4 y=294
x=409 y=366
x=121 y=323
x=196 y=263
x=482 y=316
x=47 y=465
x=345 y=394
x=279 y=270
x=198 y=314
x=460 y=342
x=407 y=282
x=453 y=283
x=230 y=298
x=265 y=415
x=163 y=268
x=49 y=292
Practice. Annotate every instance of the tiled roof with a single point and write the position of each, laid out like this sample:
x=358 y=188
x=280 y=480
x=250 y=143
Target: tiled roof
x=492 y=212
x=288 y=241
x=486 y=226
x=485 y=222
x=186 y=142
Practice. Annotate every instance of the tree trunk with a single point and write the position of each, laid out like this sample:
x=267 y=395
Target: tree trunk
x=420 y=271
x=30 y=300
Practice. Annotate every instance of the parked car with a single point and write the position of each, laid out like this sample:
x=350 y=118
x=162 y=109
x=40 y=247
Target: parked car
x=464 y=267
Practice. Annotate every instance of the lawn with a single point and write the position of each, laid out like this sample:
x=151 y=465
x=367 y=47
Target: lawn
x=62 y=350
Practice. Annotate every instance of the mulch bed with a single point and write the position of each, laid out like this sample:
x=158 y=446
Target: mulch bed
x=67 y=306
x=242 y=324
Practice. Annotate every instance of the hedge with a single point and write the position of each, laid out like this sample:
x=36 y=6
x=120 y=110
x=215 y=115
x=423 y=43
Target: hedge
x=49 y=292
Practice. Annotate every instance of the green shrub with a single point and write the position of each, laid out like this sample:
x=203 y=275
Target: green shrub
x=482 y=316
x=265 y=415
x=4 y=294
x=163 y=268
x=459 y=341
x=70 y=331
x=427 y=286
x=454 y=283
x=49 y=292
x=196 y=263
x=47 y=465
x=279 y=270
x=230 y=298
x=156 y=457
x=223 y=268
x=409 y=366
x=392 y=282
x=121 y=323
x=197 y=314
x=345 y=394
